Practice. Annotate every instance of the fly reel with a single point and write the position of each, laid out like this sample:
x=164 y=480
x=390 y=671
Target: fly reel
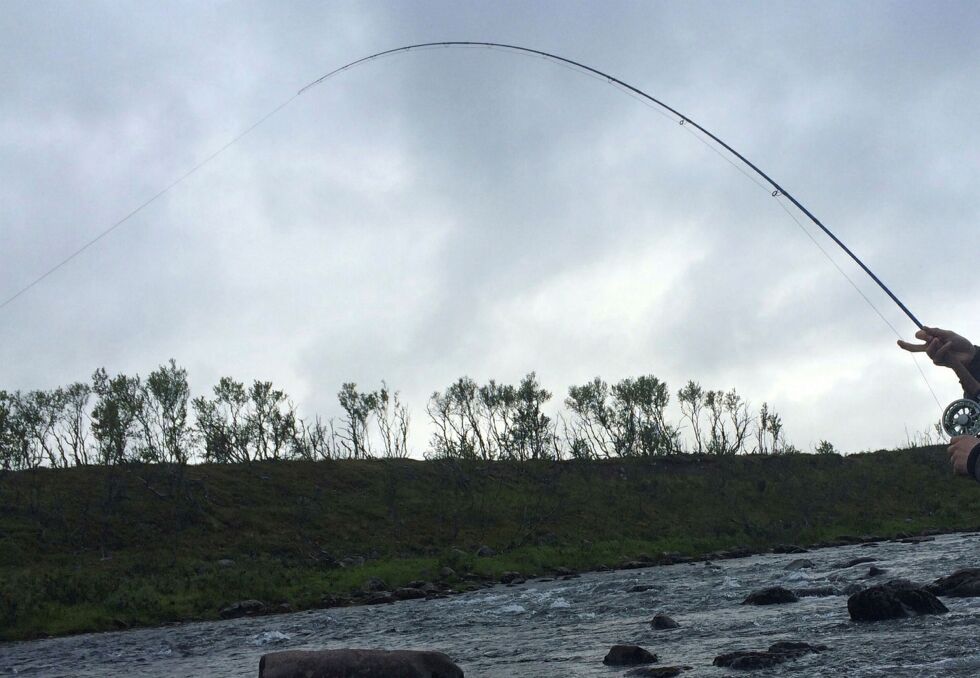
x=962 y=418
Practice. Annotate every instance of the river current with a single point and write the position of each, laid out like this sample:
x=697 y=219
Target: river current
x=565 y=627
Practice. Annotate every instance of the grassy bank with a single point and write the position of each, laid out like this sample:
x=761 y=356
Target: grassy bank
x=88 y=548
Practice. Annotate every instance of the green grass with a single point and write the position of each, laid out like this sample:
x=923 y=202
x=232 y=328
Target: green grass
x=70 y=562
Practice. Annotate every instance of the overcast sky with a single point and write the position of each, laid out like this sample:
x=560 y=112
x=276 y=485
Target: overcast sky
x=473 y=212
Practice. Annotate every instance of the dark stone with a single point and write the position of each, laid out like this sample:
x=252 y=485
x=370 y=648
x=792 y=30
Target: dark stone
x=658 y=671
x=331 y=600
x=485 y=552
x=773 y=595
x=360 y=663
x=408 y=594
x=788 y=548
x=963 y=583
x=510 y=577
x=517 y=581
x=853 y=562
x=379 y=598
x=374 y=584
x=851 y=589
x=640 y=588
x=816 y=592
x=662 y=622
x=776 y=654
x=243 y=608
x=564 y=572
x=875 y=571
x=628 y=655
x=747 y=660
x=893 y=600
x=447 y=573
x=635 y=565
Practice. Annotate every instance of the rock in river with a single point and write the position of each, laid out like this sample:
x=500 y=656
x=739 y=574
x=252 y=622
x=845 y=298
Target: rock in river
x=662 y=622
x=360 y=663
x=776 y=654
x=961 y=584
x=771 y=596
x=658 y=671
x=628 y=655
x=893 y=600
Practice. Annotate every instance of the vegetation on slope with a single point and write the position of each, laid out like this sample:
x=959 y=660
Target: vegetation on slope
x=101 y=547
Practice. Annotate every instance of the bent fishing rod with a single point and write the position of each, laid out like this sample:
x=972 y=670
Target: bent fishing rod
x=682 y=119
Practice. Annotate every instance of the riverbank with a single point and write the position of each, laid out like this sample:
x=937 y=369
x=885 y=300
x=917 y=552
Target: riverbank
x=88 y=549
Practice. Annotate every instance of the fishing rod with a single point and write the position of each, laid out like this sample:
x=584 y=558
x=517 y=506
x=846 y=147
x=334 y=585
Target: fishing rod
x=682 y=119
x=685 y=120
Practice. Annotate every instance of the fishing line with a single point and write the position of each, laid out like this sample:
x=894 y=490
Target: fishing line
x=682 y=119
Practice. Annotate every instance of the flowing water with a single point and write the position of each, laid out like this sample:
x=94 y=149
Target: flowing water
x=564 y=628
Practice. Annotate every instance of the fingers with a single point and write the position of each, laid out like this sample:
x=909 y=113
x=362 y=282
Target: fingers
x=913 y=348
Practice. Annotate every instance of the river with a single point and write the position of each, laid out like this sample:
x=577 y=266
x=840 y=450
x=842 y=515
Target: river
x=565 y=627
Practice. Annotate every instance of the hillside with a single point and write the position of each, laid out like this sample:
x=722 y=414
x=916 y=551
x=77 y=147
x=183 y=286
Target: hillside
x=95 y=548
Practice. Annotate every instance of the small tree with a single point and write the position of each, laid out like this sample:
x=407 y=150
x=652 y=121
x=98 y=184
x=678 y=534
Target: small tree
x=357 y=410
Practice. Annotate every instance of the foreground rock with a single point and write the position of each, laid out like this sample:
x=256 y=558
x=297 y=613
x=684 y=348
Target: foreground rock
x=359 y=663
x=773 y=595
x=815 y=592
x=893 y=600
x=777 y=653
x=662 y=622
x=961 y=584
x=628 y=655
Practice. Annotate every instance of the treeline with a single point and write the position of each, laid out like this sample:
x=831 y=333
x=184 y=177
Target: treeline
x=118 y=419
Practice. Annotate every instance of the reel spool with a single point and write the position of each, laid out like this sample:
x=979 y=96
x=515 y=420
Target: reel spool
x=962 y=418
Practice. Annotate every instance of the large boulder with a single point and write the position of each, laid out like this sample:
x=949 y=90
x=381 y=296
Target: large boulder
x=628 y=655
x=798 y=564
x=961 y=584
x=359 y=663
x=773 y=595
x=893 y=600
x=852 y=562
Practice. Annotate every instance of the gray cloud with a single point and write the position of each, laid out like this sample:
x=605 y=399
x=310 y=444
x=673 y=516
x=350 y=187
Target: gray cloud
x=474 y=212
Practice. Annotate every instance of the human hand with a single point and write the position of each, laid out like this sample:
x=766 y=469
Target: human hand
x=945 y=348
x=959 y=453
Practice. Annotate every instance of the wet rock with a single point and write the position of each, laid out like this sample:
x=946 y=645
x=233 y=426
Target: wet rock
x=851 y=563
x=517 y=581
x=799 y=564
x=407 y=593
x=284 y=608
x=635 y=565
x=893 y=600
x=774 y=595
x=361 y=663
x=672 y=558
x=379 y=598
x=374 y=584
x=662 y=622
x=851 y=589
x=640 y=588
x=243 y=608
x=815 y=592
x=658 y=671
x=628 y=655
x=777 y=653
x=875 y=571
x=961 y=584
x=508 y=577
x=485 y=552
x=331 y=600
x=564 y=572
